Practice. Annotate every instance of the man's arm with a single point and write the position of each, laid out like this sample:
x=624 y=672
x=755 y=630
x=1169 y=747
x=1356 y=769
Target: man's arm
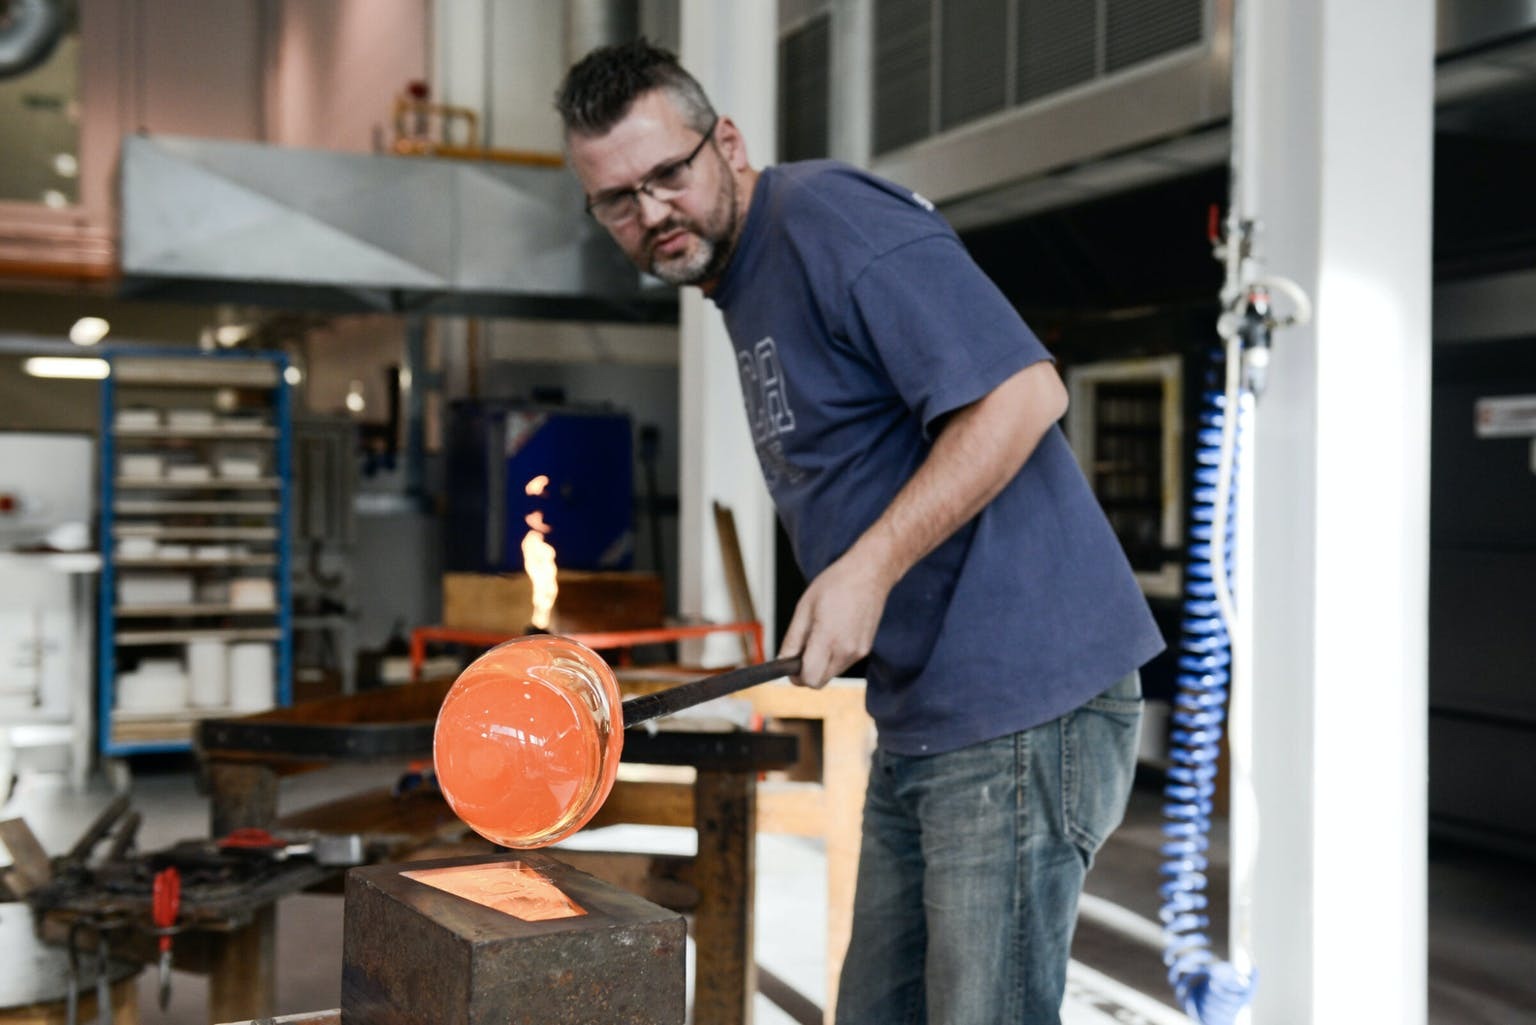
x=979 y=450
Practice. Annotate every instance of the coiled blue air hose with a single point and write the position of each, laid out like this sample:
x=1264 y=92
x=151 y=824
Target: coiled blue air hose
x=1211 y=991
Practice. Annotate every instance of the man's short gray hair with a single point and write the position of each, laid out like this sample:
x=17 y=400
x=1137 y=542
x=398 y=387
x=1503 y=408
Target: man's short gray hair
x=600 y=88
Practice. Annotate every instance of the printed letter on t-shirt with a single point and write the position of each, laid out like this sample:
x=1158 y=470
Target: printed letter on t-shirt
x=752 y=396
x=769 y=415
x=770 y=376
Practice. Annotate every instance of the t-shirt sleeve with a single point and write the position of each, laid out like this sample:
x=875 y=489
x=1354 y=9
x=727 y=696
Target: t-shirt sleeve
x=943 y=331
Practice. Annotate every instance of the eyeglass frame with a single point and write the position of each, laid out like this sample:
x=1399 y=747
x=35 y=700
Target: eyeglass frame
x=646 y=184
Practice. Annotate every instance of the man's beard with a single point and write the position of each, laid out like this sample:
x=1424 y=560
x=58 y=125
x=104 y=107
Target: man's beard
x=713 y=241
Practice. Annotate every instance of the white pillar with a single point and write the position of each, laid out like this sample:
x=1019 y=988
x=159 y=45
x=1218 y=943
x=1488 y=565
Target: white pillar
x=458 y=56
x=731 y=48
x=504 y=61
x=1338 y=115
x=853 y=34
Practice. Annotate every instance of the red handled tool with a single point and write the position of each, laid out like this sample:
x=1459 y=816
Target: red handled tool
x=250 y=838
x=167 y=904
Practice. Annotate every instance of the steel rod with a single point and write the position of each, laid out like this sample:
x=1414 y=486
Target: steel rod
x=695 y=692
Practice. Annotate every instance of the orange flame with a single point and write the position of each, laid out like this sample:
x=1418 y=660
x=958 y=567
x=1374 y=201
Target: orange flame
x=539 y=560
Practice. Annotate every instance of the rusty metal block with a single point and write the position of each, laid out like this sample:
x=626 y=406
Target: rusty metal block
x=416 y=955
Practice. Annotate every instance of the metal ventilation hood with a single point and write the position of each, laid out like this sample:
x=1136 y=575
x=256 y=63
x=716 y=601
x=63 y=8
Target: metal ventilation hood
x=209 y=220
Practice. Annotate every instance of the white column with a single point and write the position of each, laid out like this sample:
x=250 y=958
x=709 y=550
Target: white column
x=504 y=61
x=853 y=33
x=1338 y=115
x=458 y=55
x=731 y=48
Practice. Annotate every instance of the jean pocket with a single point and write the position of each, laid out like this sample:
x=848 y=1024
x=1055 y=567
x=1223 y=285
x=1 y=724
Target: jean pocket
x=1099 y=742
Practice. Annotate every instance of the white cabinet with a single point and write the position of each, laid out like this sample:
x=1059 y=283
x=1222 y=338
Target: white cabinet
x=47 y=605
x=46 y=617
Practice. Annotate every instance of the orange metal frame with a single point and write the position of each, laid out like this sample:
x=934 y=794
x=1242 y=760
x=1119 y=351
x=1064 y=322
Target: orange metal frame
x=607 y=640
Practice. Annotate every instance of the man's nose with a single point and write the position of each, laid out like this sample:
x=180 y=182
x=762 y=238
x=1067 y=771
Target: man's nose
x=652 y=210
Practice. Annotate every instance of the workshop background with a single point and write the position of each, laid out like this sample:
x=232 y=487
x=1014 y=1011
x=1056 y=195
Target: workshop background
x=297 y=300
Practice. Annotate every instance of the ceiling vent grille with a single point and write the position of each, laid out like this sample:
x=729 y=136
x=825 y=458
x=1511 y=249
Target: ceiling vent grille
x=984 y=56
x=1139 y=30
x=903 y=93
x=804 y=90
x=973 y=61
x=1057 y=46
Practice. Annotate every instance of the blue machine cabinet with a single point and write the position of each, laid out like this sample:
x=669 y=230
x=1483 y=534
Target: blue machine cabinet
x=196 y=604
x=496 y=448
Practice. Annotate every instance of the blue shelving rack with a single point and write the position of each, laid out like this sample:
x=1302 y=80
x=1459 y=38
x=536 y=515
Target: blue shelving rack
x=218 y=526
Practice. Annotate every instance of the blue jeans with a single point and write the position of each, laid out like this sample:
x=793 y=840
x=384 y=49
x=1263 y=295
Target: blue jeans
x=971 y=866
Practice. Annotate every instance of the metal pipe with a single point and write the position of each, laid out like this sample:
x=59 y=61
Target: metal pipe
x=686 y=695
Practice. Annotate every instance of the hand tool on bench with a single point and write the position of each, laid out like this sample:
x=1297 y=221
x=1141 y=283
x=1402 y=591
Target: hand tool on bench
x=75 y=860
x=337 y=849
x=126 y=836
x=166 y=905
x=103 y=981
x=72 y=977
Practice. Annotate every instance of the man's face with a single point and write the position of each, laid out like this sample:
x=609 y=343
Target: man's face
x=686 y=238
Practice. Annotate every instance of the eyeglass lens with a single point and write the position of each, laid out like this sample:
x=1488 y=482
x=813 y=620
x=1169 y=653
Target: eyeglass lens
x=667 y=182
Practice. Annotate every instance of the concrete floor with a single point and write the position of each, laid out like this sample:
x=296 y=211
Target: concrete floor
x=1483 y=909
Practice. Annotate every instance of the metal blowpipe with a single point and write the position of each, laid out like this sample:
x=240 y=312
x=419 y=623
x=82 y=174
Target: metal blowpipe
x=695 y=692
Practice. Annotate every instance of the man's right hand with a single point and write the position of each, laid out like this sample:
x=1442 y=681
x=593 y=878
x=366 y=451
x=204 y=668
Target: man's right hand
x=836 y=618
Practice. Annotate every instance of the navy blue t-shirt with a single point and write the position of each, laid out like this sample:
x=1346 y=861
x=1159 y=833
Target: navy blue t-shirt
x=859 y=321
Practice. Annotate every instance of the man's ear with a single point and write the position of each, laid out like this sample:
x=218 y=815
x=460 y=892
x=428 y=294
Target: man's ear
x=733 y=145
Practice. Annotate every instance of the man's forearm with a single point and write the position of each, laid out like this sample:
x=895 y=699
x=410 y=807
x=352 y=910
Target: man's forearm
x=979 y=450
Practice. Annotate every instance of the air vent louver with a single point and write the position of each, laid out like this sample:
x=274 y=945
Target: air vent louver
x=941 y=64
x=1056 y=46
x=973 y=60
x=903 y=68
x=1139 y=30
x=804 y=97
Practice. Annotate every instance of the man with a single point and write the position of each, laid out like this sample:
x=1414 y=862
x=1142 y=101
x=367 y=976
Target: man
x=905 y=421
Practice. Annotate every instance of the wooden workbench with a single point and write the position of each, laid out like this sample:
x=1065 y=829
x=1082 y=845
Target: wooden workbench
x=716 y=886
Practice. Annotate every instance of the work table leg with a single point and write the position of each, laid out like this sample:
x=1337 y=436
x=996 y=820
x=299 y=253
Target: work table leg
x=725 y=971
x=242 y=978
x=241 y=795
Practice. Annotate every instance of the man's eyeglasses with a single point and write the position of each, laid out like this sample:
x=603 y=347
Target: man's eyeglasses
x=668 y=181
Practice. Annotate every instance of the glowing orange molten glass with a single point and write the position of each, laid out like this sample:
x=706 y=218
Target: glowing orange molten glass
x=510 y=887
x=528 y=739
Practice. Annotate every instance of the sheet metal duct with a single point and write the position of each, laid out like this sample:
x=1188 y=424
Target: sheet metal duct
x=217 y=221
